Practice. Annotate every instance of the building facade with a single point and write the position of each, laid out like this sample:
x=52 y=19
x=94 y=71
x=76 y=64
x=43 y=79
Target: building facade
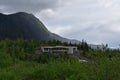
x=59 y=49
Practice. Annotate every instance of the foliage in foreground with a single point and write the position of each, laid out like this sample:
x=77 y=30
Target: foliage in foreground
x=62 y=70
x=18 y=62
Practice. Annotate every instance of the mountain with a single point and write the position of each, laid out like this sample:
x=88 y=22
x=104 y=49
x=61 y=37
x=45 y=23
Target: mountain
x=26 y=26
x=22 y=25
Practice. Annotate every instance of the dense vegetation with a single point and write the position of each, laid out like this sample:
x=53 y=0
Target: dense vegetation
x=18 y=61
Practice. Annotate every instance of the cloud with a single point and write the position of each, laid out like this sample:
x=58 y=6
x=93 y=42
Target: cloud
x=96 y=21
x=109 y=3
x=8 y=6
x=47 y=14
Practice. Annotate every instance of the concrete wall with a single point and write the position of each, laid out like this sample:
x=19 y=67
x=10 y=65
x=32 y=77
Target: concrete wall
x=68 y=49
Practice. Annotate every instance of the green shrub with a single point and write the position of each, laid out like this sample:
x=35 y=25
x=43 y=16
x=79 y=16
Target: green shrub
x=5 y=60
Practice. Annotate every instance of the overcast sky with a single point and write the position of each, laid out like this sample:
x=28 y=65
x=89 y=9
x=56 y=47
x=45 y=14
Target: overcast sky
x=96 y=21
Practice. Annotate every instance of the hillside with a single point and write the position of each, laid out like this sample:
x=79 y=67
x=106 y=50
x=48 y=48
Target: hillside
x=26 y=26
x=22 y=25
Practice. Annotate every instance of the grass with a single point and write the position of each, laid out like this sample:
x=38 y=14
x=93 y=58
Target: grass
x=62 y=70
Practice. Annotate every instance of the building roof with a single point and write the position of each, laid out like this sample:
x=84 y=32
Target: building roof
x=59 y=47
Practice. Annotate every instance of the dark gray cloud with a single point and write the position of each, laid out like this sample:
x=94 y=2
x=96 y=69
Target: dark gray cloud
x=10 y=6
